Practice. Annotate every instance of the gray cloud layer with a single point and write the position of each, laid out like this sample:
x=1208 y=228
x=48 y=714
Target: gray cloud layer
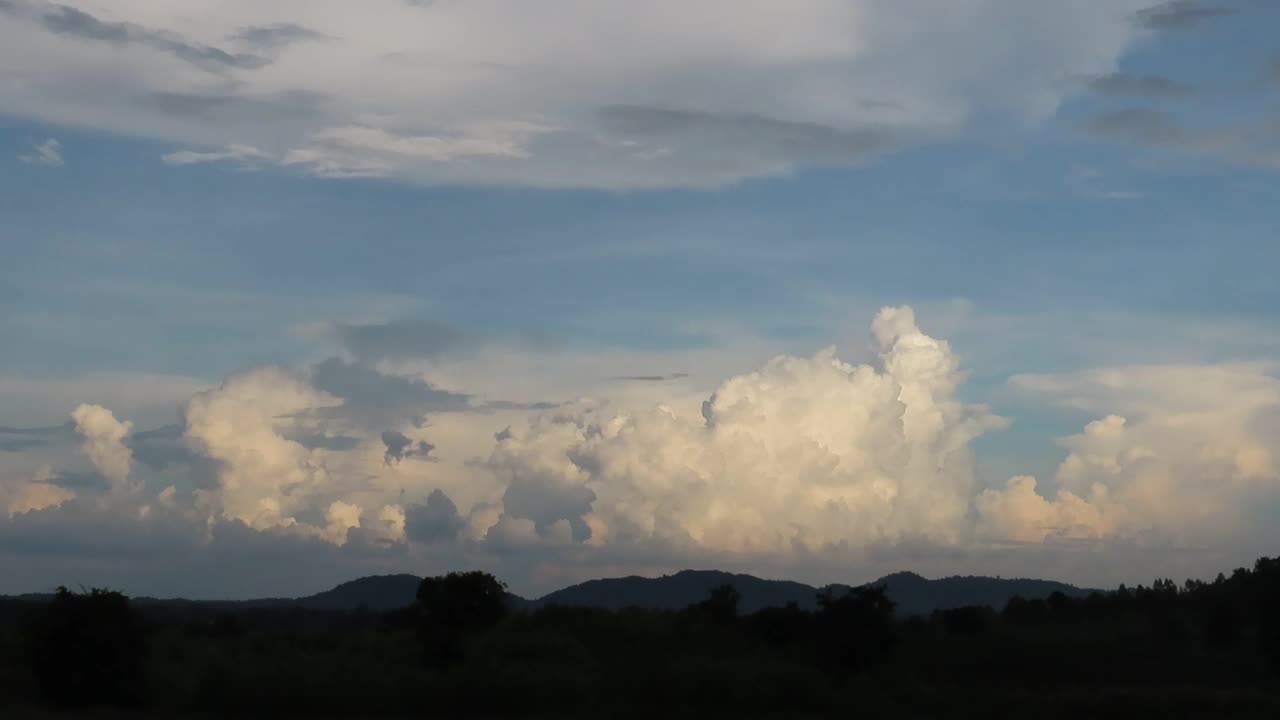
x=1183 y=14
x=402 y=339
x=276 y=35
x=657 y=95
x=1127 y=84
x=64 y=20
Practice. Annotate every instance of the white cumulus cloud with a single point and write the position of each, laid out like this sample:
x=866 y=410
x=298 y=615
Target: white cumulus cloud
x=803 y=453
x=104 y=444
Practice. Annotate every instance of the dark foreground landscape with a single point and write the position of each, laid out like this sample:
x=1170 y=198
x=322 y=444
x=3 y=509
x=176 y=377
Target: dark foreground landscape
x=460 y=645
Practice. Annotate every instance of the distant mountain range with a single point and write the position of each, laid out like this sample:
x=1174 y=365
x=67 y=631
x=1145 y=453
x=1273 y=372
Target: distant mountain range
x=911 y=593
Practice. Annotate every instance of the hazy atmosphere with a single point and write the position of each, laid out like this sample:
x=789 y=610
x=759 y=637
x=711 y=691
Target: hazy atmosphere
x=293 y=292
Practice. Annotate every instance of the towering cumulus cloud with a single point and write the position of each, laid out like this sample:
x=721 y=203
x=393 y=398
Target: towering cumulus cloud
x=104 y=443
x=803 y=453
x=265 y=478
x=804 y=462
x=1183 y=454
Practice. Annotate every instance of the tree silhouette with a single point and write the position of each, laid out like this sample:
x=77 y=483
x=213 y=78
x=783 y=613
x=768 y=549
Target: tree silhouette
x=721 y=606
x=86 y=649
x=456 y=605
x=855 y=630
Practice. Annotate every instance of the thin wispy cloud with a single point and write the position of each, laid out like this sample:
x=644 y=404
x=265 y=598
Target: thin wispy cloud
x=45 y=154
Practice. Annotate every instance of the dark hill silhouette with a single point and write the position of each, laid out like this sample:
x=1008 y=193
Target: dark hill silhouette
x=375 y=592
x=911 y=593
x=676 y=592
x=915 y=595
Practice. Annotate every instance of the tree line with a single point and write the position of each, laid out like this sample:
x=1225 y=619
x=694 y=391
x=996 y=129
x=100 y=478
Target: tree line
x=1210 y=645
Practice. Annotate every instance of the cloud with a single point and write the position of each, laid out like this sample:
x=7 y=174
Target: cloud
x=803 y=453
x=104 y=444
x=1128 y=84
x=374 y=398
x=1140 y=125
x=18 y=439
x=805 y=466
x=1183 y=454
x=229 y=111
x=265 y=479
x=1181 y=14
x=164 y=451
x=279 y=467
x=400 y=446
x=734 y=141
x=276 y=35
x=239 y=153
x=64 y=20
x=435 y=522
x=401 y=339
x=23 y=495
x=46 y=154
x=652 y=378
x=1254 y=145
x=656 y=94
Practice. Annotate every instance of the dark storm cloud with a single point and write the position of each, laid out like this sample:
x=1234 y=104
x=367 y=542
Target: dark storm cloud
x=748 y=134
x=375 y=398
x=64 y=20
x=400 y=446
x=1127 y=84
x=437 y=521
x=402 y=339
x=269 y=37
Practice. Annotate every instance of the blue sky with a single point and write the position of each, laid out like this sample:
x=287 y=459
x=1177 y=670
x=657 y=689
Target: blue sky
x=1079 y=200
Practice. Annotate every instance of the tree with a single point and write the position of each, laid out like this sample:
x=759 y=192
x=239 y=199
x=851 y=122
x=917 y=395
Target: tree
x=86 y=649
x=856 y=629
x=721 y=606
x=454 y=606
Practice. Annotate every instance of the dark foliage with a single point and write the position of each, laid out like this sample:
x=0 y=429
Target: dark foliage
x=855 y=629
x=86 y=649
x=452 y=607
x=1201 y=649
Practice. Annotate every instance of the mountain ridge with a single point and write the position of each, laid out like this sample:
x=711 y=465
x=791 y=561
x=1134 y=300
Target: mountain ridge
x=912 y=593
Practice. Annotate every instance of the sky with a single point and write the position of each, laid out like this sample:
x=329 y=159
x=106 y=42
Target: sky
x=298 y=291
